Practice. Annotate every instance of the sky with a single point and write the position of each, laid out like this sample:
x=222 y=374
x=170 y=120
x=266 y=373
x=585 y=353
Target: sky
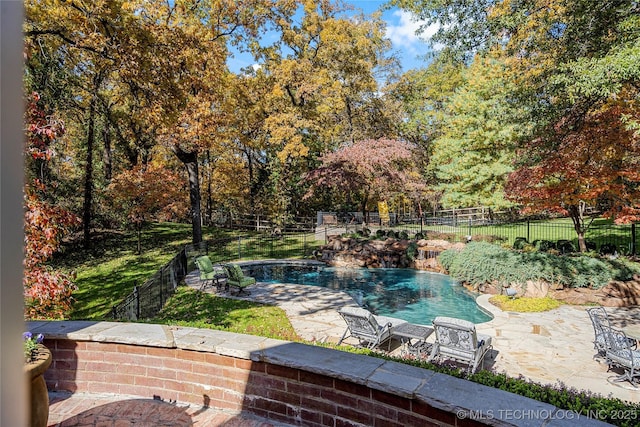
x=400 y=30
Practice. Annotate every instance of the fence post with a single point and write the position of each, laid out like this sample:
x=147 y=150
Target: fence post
x=528 y=229
x=469 y=234
x=634 y=248
x=136 y=295
x=239 y=247
x=162 y=270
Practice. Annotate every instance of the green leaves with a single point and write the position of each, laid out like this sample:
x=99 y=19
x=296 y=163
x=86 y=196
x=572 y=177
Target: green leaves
x=484 y=263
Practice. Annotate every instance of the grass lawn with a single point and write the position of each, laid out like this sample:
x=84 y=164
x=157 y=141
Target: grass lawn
x=190 y=307
x=108 y=272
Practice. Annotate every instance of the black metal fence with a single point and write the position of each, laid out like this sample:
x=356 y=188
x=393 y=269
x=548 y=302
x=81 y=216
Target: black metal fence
x=147 y=300
x=601 y=235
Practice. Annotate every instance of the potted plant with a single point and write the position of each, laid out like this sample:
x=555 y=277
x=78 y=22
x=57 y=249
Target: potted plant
x=37 y=361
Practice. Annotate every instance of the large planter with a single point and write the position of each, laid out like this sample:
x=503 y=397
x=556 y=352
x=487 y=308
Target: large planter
x=38 y=394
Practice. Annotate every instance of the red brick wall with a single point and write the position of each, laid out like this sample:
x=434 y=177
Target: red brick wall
x=279 y=393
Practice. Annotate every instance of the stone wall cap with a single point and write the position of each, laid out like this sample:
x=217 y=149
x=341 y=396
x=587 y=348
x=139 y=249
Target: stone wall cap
x=320 y=360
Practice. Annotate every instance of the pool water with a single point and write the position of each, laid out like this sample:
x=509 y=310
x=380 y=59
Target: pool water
x=412 y=295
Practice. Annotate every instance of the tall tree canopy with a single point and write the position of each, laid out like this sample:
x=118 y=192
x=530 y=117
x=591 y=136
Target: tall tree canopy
x=573 y=68
x=475 y=153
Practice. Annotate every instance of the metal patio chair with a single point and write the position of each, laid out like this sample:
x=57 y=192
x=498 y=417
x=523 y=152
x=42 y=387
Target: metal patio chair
x=370 y=330
x=457 y=339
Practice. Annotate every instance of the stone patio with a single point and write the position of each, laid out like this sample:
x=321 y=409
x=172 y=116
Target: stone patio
x=550 y=347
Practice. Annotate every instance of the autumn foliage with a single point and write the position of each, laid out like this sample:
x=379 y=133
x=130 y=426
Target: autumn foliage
x=592 y=163
x=47 y=292
x=368 y=169
x=148 y=192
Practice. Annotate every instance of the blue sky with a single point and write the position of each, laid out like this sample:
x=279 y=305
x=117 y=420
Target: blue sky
x=400 y=30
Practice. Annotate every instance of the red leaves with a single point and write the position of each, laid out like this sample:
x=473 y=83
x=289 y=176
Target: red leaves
x=381 y=166
x=149 y=192
x=597 y=160
x=47 y=293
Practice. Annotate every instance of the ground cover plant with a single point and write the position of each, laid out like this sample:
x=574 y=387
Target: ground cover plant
x=481 y=263
x=524 y=304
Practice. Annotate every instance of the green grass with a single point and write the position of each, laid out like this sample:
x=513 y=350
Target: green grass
x=108 y=272
x=190 y=307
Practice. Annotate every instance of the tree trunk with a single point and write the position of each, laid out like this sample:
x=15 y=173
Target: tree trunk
x=190 y=161
x=139 y=229
x=107 y=153
x=88 y=177
x=576 y=212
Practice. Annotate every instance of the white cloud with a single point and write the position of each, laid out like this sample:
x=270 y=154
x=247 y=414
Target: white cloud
x=403 y=35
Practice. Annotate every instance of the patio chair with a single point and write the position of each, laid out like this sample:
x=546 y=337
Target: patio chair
x=599 y=320
x=237 y=279
x=371 y=331
x=620 y=354
x=209 y=273
x=457 y=339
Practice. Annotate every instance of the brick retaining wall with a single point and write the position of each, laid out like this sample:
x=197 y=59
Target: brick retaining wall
x=287 y=382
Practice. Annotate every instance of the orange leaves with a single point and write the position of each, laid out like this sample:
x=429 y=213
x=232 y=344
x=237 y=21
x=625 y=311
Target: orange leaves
x=597 y=161
x=47 y=293
x=149 y=192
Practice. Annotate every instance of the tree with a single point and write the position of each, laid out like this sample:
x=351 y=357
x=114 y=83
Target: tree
x=324 y=90
x=366 y=170
x=593 y=163
x=47 y=292
x=148 y=192
x=474 y=154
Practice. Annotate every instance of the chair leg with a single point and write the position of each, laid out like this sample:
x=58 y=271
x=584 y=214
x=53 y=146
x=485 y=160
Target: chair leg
x=343 y=336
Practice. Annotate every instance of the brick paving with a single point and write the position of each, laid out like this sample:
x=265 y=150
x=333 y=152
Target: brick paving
x=110 y=410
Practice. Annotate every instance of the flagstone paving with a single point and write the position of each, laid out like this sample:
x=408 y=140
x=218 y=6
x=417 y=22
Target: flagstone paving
x=550 y=347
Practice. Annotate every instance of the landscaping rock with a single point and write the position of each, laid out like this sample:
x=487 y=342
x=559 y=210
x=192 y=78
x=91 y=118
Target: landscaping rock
x=615 y=294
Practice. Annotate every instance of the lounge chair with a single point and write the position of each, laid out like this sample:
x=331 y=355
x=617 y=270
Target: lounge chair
x=371 y=331
x=237 y=279
x=457 y=339
x=620 y=354
x=600 y=320
x=209 y=273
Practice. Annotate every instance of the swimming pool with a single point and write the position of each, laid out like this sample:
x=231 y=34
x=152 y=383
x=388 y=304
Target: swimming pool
x=412 y=295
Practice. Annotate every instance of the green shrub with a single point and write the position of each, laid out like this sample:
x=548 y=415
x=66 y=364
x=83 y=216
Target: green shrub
x=380 y=233
x=412 y=250
x=520 y=242
x=565 y=247
x=479 y=263
x=544 y=245
x=419 y=235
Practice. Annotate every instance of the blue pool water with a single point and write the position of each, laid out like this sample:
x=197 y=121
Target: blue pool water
x=412 y=295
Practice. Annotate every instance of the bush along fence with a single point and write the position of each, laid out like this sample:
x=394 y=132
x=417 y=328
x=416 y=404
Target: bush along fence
x=147 y=300
x=603 y=237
